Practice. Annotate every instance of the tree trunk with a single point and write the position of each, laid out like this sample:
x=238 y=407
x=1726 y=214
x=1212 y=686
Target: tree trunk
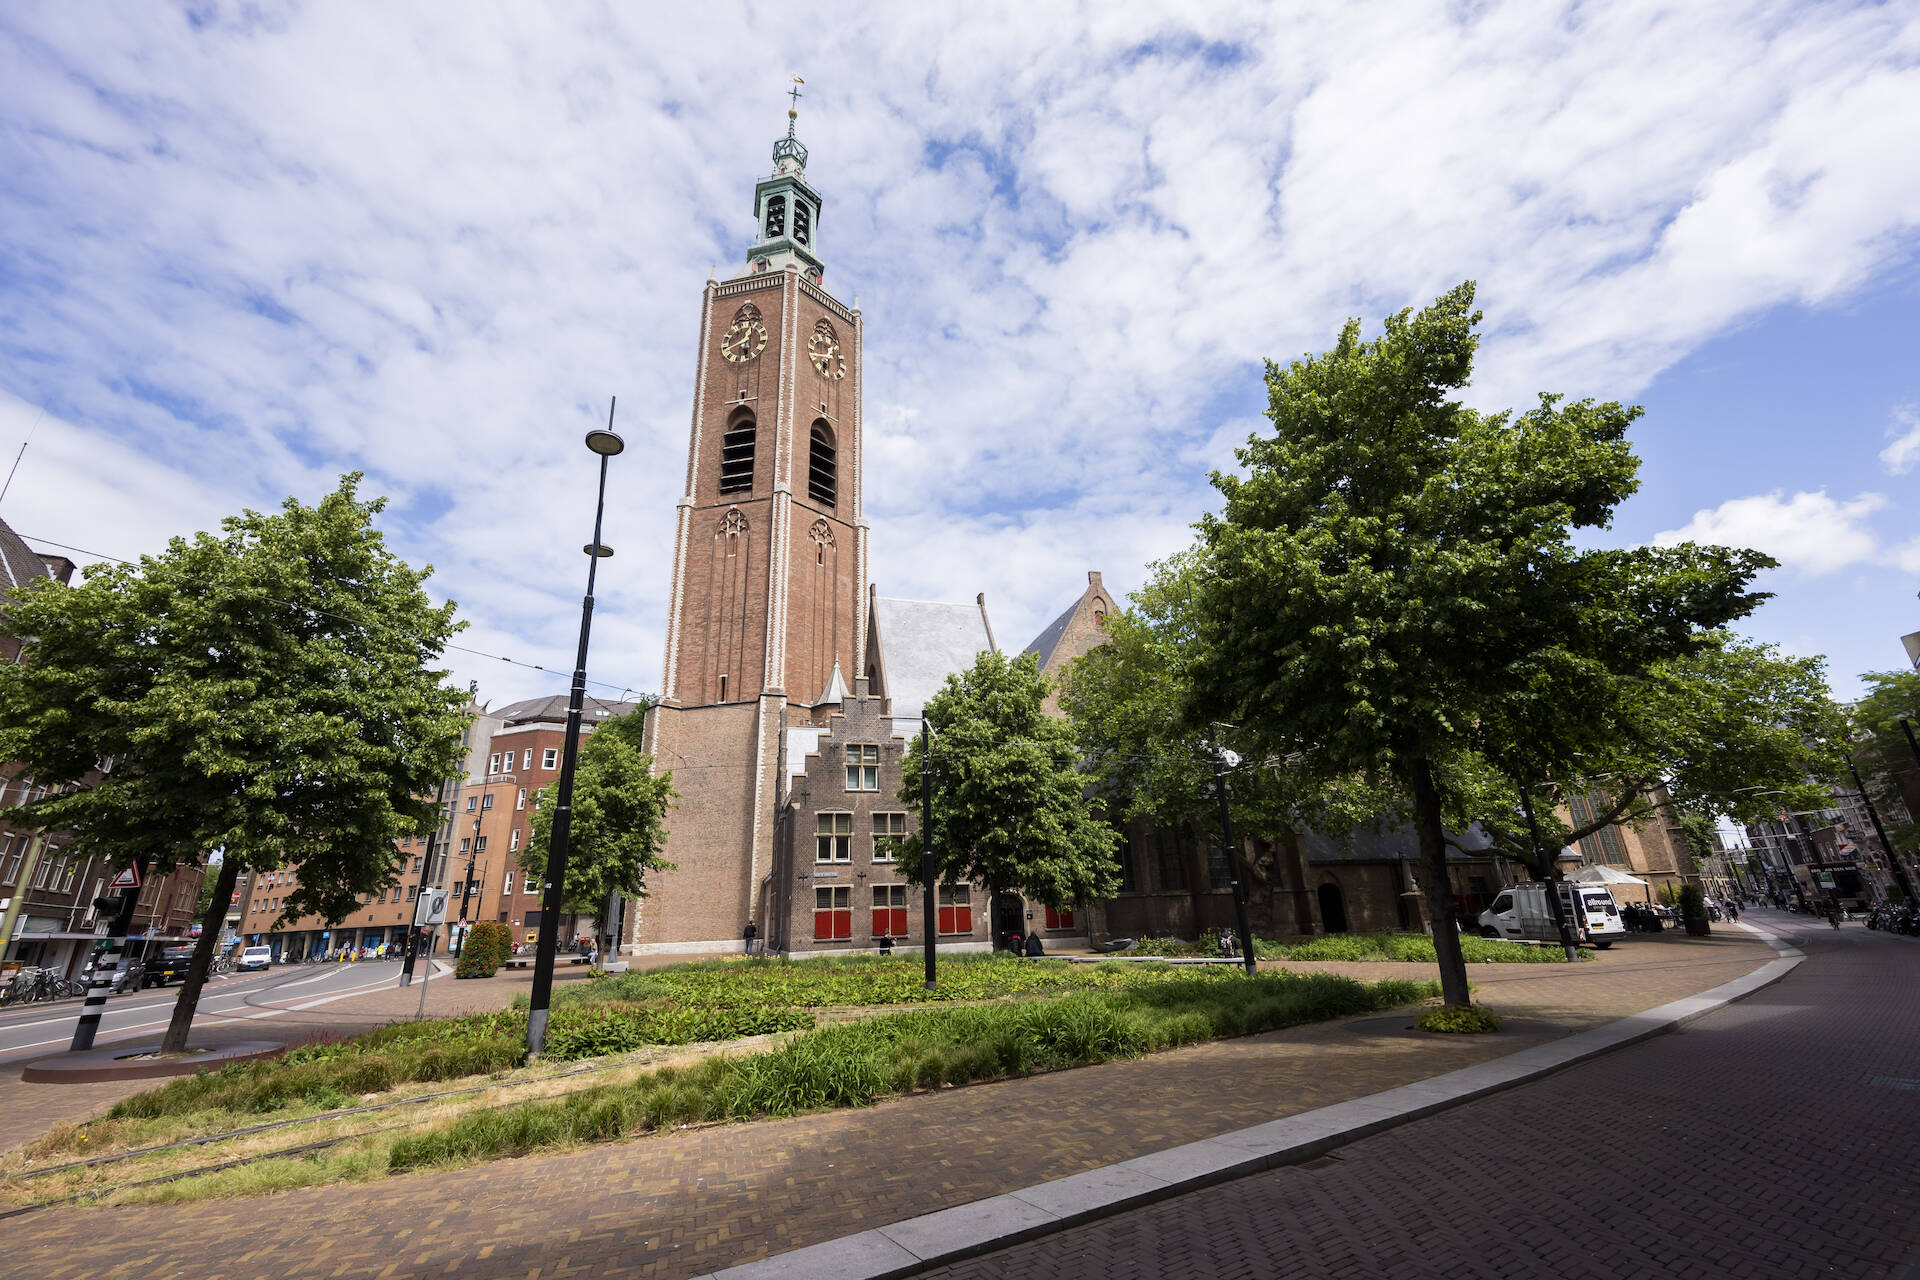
x=1546 y=866
x=211 y=925
x=1433 y=855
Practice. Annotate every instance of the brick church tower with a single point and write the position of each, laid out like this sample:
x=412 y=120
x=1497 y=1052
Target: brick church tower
x=768 y=594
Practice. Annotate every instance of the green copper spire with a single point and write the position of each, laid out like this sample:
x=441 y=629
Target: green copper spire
x=787 y=209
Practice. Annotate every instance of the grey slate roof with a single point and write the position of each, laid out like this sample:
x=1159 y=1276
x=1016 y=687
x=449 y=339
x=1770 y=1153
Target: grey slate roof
x=922 y=642
x=18 y=562
x=553 y=708
x=1044 y=642
x=1388 y=845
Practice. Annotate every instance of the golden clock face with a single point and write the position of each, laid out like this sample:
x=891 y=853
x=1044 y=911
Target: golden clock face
x=745 y=340
x=824 y=349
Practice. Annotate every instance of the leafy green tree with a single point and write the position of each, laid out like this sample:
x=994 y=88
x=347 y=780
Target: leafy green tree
x=1732 y=728
x=619 y=814
x=1396 y=569
x=1126 y=699
x=266 y=692
x=1010 y=809
x=1885 y=758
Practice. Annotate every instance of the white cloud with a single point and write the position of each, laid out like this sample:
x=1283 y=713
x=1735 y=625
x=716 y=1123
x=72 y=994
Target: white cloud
x=1903 y=454
x=1809 y=532
x=245 y=252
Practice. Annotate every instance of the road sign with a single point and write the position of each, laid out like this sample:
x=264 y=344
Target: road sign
x=128 y=879
x=430 y=907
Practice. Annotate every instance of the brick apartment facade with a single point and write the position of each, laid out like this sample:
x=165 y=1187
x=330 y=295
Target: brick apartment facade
x=513 y=755
x=48 y=894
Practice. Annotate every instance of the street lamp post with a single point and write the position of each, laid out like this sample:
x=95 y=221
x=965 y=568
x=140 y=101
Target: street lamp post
x=1235 y=880
x=606 y=444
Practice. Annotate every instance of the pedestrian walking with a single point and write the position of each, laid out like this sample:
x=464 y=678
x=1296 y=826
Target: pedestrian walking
x=751 y=933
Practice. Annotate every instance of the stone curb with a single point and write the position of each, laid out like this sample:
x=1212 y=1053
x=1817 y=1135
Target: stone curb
x=919 y=1244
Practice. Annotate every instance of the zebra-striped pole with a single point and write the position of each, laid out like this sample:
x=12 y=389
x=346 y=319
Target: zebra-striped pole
x=100 y=986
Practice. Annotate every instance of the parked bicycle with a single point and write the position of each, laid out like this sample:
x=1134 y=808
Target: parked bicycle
x=39 y=984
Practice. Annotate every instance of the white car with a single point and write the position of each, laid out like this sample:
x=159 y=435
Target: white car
x=255 y=958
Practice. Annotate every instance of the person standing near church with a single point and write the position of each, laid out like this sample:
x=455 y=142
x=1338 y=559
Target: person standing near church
x=752 y=932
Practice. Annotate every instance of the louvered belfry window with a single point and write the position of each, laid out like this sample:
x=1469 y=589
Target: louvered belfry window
x=736 y=456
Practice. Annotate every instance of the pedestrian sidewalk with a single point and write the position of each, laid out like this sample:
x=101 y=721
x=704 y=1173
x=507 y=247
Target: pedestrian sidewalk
x=699 y=1200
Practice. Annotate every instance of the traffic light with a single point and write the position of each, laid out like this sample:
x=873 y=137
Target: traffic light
x=110 y=904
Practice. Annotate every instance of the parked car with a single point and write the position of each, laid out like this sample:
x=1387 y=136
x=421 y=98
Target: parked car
x=255 y=958
x=166 y=964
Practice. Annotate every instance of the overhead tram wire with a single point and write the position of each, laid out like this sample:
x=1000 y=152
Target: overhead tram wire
x=479 y=653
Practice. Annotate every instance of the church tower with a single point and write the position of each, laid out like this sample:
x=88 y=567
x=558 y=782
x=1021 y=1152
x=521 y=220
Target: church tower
x=768 y=589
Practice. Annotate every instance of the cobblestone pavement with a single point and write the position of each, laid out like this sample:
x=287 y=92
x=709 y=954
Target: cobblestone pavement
x=1774 y=1138
x=680 y=1204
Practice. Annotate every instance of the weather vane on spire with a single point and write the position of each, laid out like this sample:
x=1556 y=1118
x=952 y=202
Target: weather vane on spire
x=793 y=111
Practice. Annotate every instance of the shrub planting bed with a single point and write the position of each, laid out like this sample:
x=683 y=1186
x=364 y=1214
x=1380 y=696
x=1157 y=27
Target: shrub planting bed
x=858 y=982
x=859 y=1063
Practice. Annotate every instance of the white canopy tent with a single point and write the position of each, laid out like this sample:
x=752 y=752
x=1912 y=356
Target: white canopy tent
x=1605 y=875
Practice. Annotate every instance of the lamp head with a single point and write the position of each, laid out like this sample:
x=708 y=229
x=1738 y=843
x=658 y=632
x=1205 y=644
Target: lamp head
x=604 y=442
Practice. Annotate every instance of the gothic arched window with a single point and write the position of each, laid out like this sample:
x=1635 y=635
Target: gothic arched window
x=822 y=485
x=776 y=218
x=736 y=455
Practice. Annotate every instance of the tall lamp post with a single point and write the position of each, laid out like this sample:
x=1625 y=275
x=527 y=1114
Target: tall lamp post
x=606 y=444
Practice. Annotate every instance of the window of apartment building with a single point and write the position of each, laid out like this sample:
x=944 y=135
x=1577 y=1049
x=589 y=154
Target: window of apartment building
x=486 y=801
x=413 y=892
x=493 y=763
x=520 y=801
x=526 y=758
x=832 y=914
x=550 y=758
x=41 y=872
x=863 y=766
x=1059 y=919
x=472 y=803
x=533 y=920
x=506 y=885
x=889 y=829
x=956 y=909
x=464 y=842
x=833 y=837
x=889 y=911
x=480 y=844
x=416 y=865
x=12 y=850
x=513 y=841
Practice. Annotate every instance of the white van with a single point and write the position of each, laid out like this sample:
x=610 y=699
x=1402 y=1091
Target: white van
x=256 y=958
x=1522 y=913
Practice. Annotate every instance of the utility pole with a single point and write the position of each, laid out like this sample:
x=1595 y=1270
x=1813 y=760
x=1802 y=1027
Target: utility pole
x=1233 y=857
x=929 y=915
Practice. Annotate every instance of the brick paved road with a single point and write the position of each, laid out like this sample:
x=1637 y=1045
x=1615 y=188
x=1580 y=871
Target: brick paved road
x=1775 y=1138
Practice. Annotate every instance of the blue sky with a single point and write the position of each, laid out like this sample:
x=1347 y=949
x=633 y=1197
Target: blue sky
x=244 y=248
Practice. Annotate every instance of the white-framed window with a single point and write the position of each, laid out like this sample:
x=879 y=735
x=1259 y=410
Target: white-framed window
x=416 y=865
x=472 y=802
x=863 y=766
x=486 y=801
x=889 y=829
x=520 y=801
x=833 y=837
x=526 y=758
x=493 y=763
x=513 y=841
x=550 y=758
x=464 y=842
x=413 y=892
x=480 y=844
x=506 y=885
